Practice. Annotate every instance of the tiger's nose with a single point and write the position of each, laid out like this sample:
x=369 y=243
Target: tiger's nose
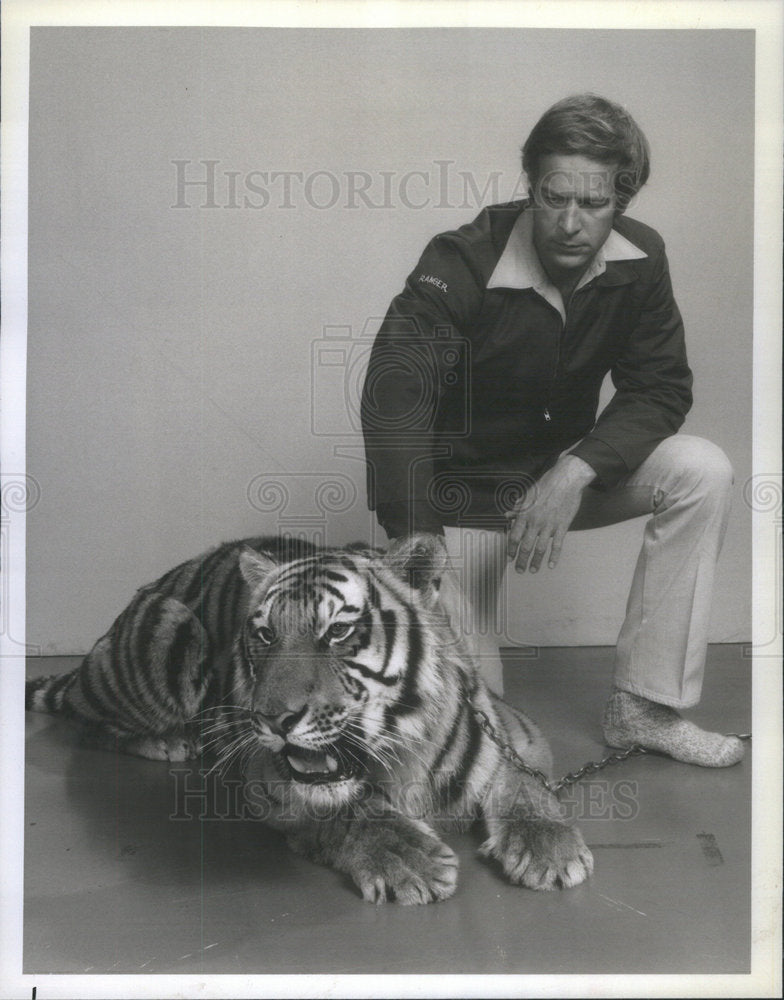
x=283 y=722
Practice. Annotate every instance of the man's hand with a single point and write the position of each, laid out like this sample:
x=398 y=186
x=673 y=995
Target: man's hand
x=546 y=512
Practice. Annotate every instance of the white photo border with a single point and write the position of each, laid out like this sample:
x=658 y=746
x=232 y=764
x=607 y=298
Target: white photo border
x=766 y=18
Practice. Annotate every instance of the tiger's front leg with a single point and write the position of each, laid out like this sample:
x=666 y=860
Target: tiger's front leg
x=386 y=854
x=529 y=837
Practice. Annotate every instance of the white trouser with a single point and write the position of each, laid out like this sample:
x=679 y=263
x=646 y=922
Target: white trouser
x=685 y=484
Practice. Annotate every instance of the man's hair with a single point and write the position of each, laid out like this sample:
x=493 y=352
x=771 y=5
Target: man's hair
x=598 y=129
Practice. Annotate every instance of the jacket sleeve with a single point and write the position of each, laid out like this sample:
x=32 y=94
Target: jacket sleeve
x=419 y=351
x=652 y=382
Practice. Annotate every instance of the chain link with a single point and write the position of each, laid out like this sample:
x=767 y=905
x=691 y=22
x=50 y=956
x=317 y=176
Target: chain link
x=555 y=787
x=507 y=750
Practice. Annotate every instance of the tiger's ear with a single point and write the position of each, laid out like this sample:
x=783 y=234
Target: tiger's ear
x=420 y=561
x=255 y=566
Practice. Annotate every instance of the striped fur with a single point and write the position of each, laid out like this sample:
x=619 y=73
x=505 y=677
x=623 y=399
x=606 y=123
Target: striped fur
x=335 y=678
x=148 y=685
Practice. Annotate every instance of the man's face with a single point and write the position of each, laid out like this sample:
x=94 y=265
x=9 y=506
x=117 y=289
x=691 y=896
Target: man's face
x=574 y=208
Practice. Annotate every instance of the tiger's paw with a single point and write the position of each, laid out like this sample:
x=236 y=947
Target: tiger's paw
x=404 y=864
x=540 y=854
x=172 y=748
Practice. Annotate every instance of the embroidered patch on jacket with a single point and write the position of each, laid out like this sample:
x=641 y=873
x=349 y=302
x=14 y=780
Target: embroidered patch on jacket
x=429 y=279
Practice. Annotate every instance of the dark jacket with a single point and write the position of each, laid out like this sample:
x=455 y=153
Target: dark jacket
x=475 y=383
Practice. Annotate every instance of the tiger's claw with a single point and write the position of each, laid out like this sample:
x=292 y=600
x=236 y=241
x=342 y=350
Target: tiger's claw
x=406 y=866
x=541 y=854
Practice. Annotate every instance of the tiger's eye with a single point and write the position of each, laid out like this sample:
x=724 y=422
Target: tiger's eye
x=338 y=631
x=266 y=634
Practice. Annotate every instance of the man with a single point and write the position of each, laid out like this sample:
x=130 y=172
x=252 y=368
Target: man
x=480 y=414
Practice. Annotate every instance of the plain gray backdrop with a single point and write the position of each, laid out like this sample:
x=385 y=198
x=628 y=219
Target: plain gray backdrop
x=194 y=352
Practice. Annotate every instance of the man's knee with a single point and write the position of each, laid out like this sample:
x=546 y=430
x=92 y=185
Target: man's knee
x=699 y=465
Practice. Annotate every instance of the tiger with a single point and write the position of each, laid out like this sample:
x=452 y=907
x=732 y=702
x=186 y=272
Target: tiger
x=361 y=723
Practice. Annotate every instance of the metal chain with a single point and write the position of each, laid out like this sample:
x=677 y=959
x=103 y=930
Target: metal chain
x=510 y=754
x=507 y=750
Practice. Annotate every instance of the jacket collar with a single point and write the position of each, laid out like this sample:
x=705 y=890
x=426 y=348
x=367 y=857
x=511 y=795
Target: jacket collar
x=519 y=265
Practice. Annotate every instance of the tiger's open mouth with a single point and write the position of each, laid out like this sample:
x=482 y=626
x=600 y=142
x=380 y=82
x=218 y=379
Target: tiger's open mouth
x=323 y=766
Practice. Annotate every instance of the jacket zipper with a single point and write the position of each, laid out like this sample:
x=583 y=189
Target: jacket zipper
x=556 y=366
x=562 y=335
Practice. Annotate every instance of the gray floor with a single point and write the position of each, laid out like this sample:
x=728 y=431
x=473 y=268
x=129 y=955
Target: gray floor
x=116 y=882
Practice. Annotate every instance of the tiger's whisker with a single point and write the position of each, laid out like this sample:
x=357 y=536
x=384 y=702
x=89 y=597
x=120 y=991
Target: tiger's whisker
x=231 y=752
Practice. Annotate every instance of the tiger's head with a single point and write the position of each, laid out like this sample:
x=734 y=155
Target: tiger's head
x=342 y=651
